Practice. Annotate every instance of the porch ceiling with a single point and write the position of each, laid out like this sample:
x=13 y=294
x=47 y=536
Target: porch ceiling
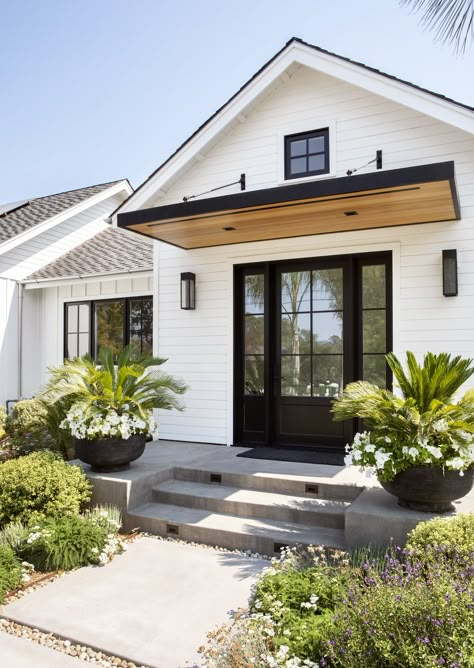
x=408 y=196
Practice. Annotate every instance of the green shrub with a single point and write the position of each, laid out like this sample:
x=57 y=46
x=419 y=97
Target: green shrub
x=12 y=535
x=107 y=516
x=452 y=533
x=40 y=484
x=64 y=543
x=417 y=612
x=3 y=417
x=300 y=593
x=10 y=571
x=26 y=428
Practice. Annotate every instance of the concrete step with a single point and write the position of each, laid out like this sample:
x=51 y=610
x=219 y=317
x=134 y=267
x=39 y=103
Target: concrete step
x=265 y=536
x=252 y=503
x=322 y=487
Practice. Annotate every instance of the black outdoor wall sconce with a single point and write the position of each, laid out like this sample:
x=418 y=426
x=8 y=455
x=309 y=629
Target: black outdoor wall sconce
x=450 y=273
x=188 y=291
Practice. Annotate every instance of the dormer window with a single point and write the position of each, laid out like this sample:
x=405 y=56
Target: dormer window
x=307 y=154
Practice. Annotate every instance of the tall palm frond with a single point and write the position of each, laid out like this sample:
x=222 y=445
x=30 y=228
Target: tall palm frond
x=438 y=378
x=133 y=386
x=427 y=390
x=452 y=20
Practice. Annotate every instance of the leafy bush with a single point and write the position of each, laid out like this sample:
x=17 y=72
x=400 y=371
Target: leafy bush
x=416 y=612
x=38 y=485
x=238 y=646
x=107 y=516
x=10 y=571
x=72 y=541
x=3 y=417
x=26 y=428
x=300 y=593
x=454 y=534
x=12 y=535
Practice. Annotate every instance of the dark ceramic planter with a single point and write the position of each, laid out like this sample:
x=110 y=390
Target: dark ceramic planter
x=106 y=455
x=429 y=489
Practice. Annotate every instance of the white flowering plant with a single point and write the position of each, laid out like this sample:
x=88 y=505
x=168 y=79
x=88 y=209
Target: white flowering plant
x=111 y=397
x=425 y=426
x=107 y=423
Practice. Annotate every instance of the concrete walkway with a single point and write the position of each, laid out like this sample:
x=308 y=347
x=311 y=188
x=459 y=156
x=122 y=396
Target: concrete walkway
x=20 y=653
x=152 y=605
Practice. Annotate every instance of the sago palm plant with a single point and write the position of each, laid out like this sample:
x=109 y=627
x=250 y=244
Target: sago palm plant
x=423 y=426
x=125 y=388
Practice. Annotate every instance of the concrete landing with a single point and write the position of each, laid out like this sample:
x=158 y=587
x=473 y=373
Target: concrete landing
x=375 y=518
x=152 y=605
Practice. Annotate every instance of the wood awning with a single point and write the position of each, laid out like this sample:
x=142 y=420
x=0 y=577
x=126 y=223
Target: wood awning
x=408 y=196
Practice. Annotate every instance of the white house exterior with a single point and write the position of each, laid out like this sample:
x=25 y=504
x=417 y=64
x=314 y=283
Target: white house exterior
x=366 y=249
x=55 y=252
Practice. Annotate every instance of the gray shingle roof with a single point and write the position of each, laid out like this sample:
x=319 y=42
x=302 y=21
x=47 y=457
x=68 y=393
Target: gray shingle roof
x=112 y=250
x=41 y=208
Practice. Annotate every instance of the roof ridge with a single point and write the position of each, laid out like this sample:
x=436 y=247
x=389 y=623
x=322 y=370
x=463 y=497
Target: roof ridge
x=73 y=190
x=377 y=71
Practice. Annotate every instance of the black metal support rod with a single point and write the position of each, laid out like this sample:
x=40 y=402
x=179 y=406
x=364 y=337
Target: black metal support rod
x=240 y=182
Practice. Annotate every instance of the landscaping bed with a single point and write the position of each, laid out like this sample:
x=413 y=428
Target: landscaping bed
x=398 y=608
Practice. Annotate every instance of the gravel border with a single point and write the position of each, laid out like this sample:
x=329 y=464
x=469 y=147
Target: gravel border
x=65 y=646
x=205 y=546
x=86 y=653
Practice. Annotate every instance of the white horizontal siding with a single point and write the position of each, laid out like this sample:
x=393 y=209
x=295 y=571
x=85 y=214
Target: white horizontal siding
x=199 y=343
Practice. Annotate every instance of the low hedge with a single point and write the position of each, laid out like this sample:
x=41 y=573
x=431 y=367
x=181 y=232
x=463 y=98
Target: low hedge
x=452 y=534
x=38 y=485
x=10 y=571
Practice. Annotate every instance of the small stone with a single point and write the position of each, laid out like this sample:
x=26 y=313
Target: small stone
x=67 y=643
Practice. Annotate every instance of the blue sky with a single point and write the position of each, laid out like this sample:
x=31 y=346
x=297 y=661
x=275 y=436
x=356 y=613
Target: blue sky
x=96 y=90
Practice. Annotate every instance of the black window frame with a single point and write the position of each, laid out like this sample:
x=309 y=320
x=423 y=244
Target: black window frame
x=299 y=136
x=91 y=303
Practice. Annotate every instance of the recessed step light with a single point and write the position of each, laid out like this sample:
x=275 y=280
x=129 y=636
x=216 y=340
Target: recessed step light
x=215 y=477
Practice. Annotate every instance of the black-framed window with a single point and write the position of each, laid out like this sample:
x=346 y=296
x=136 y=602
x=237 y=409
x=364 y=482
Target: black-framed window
x=307 y=154
x=112 y=323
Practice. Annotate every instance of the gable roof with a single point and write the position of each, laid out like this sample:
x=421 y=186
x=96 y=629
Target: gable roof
x=22 y=216
x=298 y=51
x=110 y=251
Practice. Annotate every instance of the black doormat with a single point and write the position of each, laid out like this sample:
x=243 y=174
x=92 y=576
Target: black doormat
x=295 y=455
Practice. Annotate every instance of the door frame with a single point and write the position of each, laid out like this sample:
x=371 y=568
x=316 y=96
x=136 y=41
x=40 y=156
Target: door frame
x=356 y=261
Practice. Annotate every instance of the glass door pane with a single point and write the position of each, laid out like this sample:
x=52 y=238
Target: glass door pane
x=254 y=328
x=311 y=321
x=374 y=324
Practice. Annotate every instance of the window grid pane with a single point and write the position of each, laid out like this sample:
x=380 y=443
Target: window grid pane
x=306 y=154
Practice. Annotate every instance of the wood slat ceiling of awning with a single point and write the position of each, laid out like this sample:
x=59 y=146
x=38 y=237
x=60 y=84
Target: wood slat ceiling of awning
x=420 y=203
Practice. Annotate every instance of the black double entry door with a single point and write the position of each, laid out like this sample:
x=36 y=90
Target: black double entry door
x=303 y=330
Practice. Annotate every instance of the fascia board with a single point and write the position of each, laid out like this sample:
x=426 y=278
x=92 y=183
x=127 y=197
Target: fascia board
x=216 y=125
x=61 y=217
x=85 y=278
x=380 y=84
